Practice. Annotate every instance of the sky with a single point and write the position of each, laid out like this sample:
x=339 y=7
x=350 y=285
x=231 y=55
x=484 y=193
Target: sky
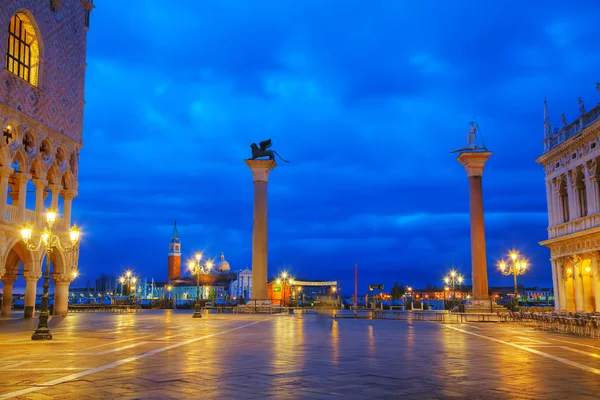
x=366 y=100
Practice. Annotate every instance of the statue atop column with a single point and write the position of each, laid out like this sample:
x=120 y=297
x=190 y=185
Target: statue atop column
x=262 y=151
x=472 y=135
x=581 y=106
x=563 y=118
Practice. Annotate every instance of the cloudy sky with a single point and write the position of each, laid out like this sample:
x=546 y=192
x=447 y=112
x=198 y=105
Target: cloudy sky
x=366 y=99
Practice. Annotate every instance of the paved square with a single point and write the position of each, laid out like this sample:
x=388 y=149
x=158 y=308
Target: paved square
x=167 y=354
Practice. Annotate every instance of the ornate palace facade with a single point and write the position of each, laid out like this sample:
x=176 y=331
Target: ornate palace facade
x=571 y=162
x=43 y=52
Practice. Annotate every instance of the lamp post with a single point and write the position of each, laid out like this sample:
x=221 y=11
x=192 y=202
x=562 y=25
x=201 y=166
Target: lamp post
x=446 y=288
x=284 y=280
x=453 y=278
x=518 y=267
x=197 y=269
x=49 y=241
x=128 y=280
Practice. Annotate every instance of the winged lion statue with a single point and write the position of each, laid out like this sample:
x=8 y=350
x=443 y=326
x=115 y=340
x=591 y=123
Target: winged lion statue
x=262 y=151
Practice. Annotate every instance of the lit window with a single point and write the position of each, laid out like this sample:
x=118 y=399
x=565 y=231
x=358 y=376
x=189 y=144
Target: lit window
x=22 y=49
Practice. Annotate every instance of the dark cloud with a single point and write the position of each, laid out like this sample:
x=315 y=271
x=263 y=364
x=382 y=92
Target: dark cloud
x=366 y=102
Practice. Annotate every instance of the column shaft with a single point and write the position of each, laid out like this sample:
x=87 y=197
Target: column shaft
x=40 y=186
x=30 y=296
x=23 y=179
x=478 y=252
x=55 y=189
x=260 y=241
x=556 y=284
x=596 y=282
x=61 y=298
x=7 y=296
x=578 y=284
x=550 y=201
x=5 y=173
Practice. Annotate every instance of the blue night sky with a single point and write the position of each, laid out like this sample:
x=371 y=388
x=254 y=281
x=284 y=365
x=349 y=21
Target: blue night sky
x=366 y=99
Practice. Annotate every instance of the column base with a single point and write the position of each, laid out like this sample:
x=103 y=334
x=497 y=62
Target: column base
x=483 y=306
x=28 y=313
x=197 y=314
x=41 y=334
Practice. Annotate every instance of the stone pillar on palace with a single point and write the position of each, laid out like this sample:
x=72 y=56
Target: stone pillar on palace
x=61 y=293
x=5 y=173
x=40 y=186
x=55 y=189
x=578 y=284
x=260 y=173
x=23 y=179
x=7 y=294
x=31 y=278
x=68 y=196
x=474 y=162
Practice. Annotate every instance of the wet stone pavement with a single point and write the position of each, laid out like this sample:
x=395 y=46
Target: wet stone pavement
x=169 y=355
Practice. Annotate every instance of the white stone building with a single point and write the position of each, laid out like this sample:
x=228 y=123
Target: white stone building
x=242 y=286
x=570 y=160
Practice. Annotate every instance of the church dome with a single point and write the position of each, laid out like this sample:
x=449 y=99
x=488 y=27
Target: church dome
x=223 y=265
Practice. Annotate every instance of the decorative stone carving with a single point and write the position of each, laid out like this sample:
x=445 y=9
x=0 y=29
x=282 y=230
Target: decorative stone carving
x=32 y=275
x=62 y=278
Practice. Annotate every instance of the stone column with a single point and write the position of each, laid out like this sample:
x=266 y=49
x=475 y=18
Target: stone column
x=556 y=211
x=5 y=173
x=589 y=191
x=61 y=293
x=31 y=278
x=556 y=284
x=474 y=162
x=573 y=198
x=596 y=281
x=260 y=173
x=55 y=189
x=550 y=201
x=68 y=196
x=578 y=284
x=7 y=294
x=23 y=179
x=40 y=186
x=562 y=283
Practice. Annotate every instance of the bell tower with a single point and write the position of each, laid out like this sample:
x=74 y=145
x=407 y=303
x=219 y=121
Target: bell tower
x=174 y=255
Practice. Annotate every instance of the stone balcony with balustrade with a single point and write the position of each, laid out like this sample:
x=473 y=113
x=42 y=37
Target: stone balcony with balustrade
x=566 y=132
x=574 y=226
x=30 y=217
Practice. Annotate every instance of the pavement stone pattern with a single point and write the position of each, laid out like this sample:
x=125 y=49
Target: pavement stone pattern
x=166 y=354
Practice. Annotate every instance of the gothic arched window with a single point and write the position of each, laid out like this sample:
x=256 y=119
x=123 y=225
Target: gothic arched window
x=23 y=49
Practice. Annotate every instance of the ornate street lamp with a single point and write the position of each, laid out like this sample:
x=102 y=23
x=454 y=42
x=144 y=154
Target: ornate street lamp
x=286 y=280
x=518 y=267
x=197 y=269
x=128 y=280
x=453 y=278
x=49 y=241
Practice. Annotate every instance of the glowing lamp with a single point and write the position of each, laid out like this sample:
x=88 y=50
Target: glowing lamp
x=191 y=266
x=26 y=232
x=513 y=256
x=198 y=256
x=278 y=281
x=75 y=273
x=74 y=233
x=502 y=265
x=134 y=280
x=50 y=216
x=209 y=265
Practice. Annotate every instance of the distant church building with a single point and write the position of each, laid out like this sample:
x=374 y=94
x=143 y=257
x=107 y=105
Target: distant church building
x=571 y=161
x=220 y=283
x=42 y=79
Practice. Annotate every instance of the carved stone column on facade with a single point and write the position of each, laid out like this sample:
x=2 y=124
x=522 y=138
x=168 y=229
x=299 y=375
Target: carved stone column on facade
x=40 y=186
x=260 y=173
x=550 y=201
x=5 y=173
x=68 y=196
x=564 y=283
x=474 y=162
x=572 y=195
x=556 y=283
x=590 y=186
x=55 y=189
x=23 y=179
x=7 y=294
x=61 y=293
x=596 y=280
x=578 y=283
x=31 y=278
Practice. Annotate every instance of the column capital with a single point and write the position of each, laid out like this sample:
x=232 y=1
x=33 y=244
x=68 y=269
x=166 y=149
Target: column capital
x=55 y=188
x=32 y=275
x=9 y=279
x=40 y=183
x=69 y=194
x=63 y=279
x=474 y=161
x=6 y=172
x=23 y=177
x=260 y=169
